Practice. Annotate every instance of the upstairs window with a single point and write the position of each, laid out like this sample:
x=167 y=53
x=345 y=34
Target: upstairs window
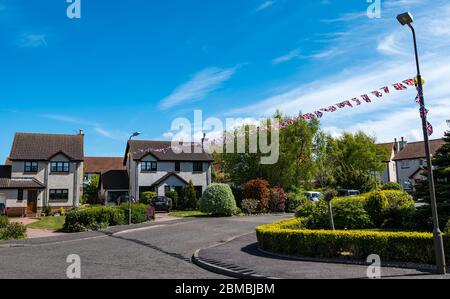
x=405 y=164
x=62 y=167
x=198 y=167
x=149 y=166
x=177 y=166
x=31 y=166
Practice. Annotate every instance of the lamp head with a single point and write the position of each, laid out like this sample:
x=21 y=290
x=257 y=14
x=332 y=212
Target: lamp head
x=405 y=18
x=135 y=134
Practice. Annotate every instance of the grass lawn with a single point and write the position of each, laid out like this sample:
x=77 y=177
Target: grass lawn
x=52 y=223
x=187 y=214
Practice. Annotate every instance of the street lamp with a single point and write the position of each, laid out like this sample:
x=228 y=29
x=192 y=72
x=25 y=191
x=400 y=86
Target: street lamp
x=135 y=134
x=407 y=19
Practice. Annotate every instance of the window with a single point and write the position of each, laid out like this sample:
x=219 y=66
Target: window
x=177 y=166
x=149 y=166
x=59 y=167
x=167 y=188
x=31 y=166
x=405 y=164
x=20 y=195
x=59 y=194
x=198 y=167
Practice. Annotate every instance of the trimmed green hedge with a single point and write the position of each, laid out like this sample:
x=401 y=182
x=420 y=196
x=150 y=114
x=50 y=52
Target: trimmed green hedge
x=288 y=237
x=218 y=200
x=101 y=217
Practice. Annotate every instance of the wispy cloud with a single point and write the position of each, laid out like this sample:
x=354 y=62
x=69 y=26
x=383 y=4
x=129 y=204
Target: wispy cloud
x=264 y=6
x=288 y=57
x=200 y=86
x=30 y=40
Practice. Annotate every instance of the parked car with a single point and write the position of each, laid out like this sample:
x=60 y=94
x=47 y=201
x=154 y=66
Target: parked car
x=3 y=210
x=346 y=192
x=161 y=203
x=313 y=196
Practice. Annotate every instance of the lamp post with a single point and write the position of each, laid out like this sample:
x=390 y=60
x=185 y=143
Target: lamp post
x=407 y=19
x=135 y=134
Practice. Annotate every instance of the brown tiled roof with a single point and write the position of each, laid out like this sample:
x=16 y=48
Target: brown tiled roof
x=5 y=171
x=115 y=180
x=389 y=146
x=161 y=180
x=102 y=164
x=20 y=184
x=8 y=161
x=162 y=151
x=416 y=150
x=42 y=147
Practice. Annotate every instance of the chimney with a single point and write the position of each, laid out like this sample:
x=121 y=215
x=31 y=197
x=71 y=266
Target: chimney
x=81 y=132
x=402 y=143
x=396 y=145
x=203 y=141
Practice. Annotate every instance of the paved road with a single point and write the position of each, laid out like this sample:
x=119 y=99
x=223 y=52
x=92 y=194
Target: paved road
x=161 y=251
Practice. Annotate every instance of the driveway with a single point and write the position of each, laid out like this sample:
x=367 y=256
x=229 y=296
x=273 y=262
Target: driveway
x=162 y=250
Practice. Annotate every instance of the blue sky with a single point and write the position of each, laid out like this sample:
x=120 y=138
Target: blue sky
x=135 y=66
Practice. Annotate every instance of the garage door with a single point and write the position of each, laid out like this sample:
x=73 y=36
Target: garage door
x=2 y=198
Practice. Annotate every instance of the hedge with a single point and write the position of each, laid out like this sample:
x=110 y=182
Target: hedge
x=13 y=231
x=218 y=200
x=101 y=217
x=288 y=237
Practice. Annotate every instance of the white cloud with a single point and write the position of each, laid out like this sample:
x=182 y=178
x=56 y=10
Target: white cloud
x=200 y=86
x=29 y=40
x=265 y=5
x=390 y=46
x=288 y=57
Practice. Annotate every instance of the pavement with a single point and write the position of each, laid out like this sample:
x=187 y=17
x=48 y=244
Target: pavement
x=156 y=250
x=242 y=256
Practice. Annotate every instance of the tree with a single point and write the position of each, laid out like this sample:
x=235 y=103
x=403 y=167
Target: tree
x=324 y=172
x=357 y=161
x=191 y=195
x=91 y=190
x=441 y=162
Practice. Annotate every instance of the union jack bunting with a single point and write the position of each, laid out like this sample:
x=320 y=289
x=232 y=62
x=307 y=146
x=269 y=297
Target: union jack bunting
x=410 y=82
x=308 y=116
x=377 y=94
x=318 y=114
x=424 y=112
x=344 y=103
x=399 y=86
x=418 y=99
x=430 y=129
x=329 y=109
x=366 y=98
x=385 y=89
x=357 y=101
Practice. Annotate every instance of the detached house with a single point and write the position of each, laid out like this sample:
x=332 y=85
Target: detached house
x=411 y=162
x=155 y=166
x=43 y=170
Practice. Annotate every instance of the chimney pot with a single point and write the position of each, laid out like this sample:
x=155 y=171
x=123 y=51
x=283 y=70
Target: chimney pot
x=81 y=132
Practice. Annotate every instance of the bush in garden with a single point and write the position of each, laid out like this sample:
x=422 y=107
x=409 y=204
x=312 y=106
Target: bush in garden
x=147 y=197
x=375 y=204
x=259 y=190
x=351 y=215
x=238 y=194
x=173 y=195
x=138 y=213
x=13 y=231
x=218 y=200
x=421 y=218
x=294 y=200
x=392 y=186
x=250 y=206
x=400 y=207
x=277 y=201
x=4 y=221
x=94 y=218
x=447 y=228
x=315 y=215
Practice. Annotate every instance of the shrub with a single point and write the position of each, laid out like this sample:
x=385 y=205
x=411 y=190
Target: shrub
x=93 y=218
x=277 y=201
x=47 y=210
x=138 y=213
x=421 y=218
x=315 y=215
x=392 y=186
x=218 y=200
x=250 y=206
x=390 y=246
x=294 y=201
x=13 y=231
x=146 y=198
x=351 y=215
x=259 y=190
x=4 y=221
x=238 y=194
x=173 y=196
x=375 y=204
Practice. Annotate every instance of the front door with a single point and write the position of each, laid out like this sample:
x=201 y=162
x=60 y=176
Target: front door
x=32 y=202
